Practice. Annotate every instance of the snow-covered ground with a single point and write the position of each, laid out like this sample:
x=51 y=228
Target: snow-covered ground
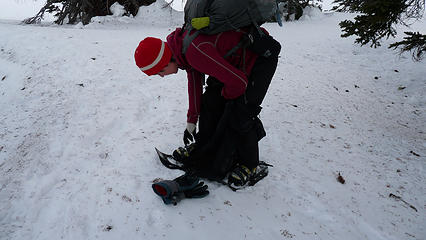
x=20 y=9
x=79 y=123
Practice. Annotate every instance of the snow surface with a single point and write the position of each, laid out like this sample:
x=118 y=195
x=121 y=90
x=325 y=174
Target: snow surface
x=117 y=10
x=21 y=9
x=79 y=123
x=158 y=14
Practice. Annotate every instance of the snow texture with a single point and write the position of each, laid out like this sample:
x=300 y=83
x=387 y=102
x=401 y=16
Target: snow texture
x=158 y=14
x=117 y=10
x=79 y=123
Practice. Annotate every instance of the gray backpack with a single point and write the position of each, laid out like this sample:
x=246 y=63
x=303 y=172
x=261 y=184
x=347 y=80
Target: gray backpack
x=225 y=15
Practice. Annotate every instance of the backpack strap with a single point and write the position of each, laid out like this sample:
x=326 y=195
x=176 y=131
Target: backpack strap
x=253 y=5
x=245 y=41
x=188 y=39
x=248 y=37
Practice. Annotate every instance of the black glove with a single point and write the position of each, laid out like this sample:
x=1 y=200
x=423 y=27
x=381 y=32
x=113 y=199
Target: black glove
x=185 y=186
x=188 y=135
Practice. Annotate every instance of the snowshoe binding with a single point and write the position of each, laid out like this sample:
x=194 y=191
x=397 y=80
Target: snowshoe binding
x=182 y=153
x=242 y=176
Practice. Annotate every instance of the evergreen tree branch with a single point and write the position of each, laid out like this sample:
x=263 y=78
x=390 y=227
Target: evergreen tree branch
x=377 y=20
x=414 y=42
x=74 y=11
x=49 y=7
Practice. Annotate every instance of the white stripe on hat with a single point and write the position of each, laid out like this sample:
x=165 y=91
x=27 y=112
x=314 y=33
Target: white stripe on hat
x=157 y=60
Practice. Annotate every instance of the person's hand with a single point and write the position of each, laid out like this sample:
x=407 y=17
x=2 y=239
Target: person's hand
x=188 y=135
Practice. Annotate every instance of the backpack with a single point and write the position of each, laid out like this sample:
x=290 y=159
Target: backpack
x=215 y=16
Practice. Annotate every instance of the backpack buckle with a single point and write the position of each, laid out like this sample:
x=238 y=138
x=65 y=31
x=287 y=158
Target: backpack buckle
x=251 y=38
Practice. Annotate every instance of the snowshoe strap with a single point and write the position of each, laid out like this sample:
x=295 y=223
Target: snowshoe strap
x=262 y=163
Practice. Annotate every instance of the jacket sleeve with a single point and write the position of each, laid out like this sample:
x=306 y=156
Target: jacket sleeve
x=195 y=89
x=205 y=58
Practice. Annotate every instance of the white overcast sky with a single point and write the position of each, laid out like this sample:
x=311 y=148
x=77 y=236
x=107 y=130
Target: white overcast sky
x=21 y=9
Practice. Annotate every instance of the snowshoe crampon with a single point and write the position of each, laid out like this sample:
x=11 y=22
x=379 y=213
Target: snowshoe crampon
x=169 y=161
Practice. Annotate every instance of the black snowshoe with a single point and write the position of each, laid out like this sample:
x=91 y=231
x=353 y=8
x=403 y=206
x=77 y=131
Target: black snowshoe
x=169 y=161
x=172 y=162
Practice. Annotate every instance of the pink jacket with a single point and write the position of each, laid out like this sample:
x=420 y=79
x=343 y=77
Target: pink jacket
x=205 y=56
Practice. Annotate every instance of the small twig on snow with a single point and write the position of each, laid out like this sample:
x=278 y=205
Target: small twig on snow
x=391 y=195
x=415 y=154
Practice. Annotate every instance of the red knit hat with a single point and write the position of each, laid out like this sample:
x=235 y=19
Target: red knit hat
x=152 y=55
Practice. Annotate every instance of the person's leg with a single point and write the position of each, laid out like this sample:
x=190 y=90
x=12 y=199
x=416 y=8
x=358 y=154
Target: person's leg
x=215 y=145
x=259 y=81
x=212 y=105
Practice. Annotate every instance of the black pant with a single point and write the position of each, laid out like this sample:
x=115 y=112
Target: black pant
x=229 y=129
